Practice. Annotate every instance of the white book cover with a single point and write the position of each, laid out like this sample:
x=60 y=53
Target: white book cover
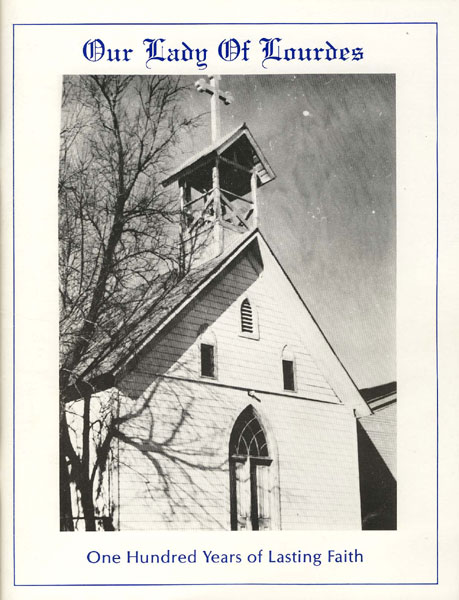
x=229 y=300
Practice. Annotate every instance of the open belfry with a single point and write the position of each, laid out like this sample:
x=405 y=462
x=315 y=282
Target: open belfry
x=239 y=414
x=218 y=188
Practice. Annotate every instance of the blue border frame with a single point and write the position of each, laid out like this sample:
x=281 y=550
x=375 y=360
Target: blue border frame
x=14 y=313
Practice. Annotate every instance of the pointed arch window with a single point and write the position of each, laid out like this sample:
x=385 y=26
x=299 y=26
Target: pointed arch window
x=208 y=352
x=288 y=370
x=250 y=482
x=249 y=319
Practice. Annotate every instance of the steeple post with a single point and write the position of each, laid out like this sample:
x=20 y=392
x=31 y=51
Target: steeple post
x=218 y=228
x=182 y=199
x=182 y=249
x=253 y=186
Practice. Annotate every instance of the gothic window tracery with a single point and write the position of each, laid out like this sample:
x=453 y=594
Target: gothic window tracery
x=250 y=481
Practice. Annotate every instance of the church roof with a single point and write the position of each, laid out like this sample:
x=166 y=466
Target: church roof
x=162 y=312
x=165 y=306
x=238 y=146
x=380 y=396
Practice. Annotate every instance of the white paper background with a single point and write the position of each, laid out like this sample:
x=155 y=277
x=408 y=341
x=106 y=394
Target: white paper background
x=44 y=555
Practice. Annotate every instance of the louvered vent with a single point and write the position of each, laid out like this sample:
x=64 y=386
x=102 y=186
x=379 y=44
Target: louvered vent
x=246 y=317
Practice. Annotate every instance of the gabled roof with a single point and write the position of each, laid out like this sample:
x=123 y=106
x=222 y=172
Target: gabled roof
x=240 y=140
x=160 y=308
x=173 y=303
x=337 y=374
x=182 y=294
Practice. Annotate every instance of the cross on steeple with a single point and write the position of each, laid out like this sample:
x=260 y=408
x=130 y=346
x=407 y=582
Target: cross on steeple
x=218 y=187
x=213 y=89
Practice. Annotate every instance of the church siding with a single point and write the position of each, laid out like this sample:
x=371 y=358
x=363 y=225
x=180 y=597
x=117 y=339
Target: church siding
x=185 y=421
x=240 y=361
x=318 y=458
x=171 y=465
x=316 y=461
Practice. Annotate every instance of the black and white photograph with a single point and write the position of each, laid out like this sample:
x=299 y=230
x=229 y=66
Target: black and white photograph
x=227 y=289
x=229 y=333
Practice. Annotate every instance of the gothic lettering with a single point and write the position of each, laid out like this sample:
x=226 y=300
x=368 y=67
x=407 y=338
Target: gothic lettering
x=156 y=50
x=95 y=50
x=272 y=49
x=231 y=49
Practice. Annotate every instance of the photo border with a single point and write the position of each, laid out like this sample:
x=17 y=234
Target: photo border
x=162 y=24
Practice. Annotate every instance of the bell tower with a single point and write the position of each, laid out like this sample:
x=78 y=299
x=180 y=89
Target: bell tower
x=218 y=186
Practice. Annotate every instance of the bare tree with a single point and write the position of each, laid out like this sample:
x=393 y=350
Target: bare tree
x=116 y=258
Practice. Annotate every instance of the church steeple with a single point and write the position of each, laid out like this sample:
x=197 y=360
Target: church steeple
x=218 y=187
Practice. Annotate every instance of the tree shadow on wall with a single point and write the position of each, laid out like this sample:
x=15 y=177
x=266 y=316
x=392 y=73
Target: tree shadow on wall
x=174 y=465
x=161 y=458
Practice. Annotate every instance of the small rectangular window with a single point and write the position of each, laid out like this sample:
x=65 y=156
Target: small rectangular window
x=207 y=360
x=288 y=373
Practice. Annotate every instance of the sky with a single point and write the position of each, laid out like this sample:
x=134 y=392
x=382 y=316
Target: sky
x=329 y=215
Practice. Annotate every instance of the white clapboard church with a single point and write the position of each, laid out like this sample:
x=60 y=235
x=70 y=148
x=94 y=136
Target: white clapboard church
x=241 y=416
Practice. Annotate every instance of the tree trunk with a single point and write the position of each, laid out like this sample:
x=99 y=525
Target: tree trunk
x=66 y=516
x=87 y=504
x=84 y=481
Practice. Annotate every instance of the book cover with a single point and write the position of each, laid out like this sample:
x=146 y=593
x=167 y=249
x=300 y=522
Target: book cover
x=224 y=302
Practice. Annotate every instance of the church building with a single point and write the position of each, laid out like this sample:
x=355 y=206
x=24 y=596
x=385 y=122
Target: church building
x=237 y=414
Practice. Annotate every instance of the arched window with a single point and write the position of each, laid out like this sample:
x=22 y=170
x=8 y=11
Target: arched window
x=250 y=487
x=288 y=369
x=207 y=352
x=249 y=320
